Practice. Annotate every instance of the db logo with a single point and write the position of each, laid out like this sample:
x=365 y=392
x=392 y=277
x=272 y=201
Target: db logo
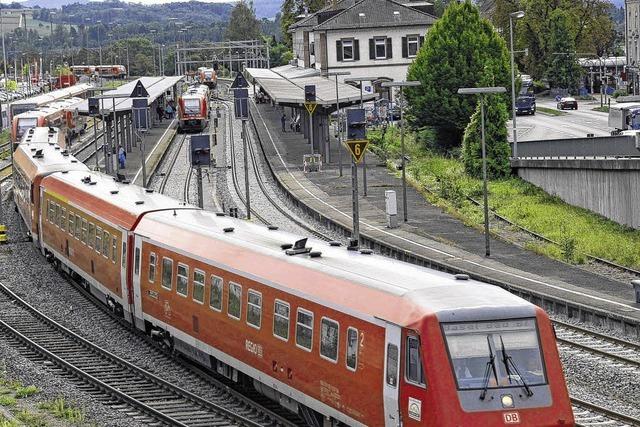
x=511 y=418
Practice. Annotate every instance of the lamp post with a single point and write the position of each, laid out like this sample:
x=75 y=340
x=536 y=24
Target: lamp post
x=401 y=85
x=361 y=80
x=515 y=15
x=338 y=113
x=153 y=49
x=482 y=91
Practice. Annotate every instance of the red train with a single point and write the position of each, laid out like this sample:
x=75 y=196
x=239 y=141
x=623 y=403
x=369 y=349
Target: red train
x=340 y=337
x=193 y=109
x=208 y=77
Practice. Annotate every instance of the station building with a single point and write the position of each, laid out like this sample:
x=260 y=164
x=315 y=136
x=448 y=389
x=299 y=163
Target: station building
x=368 y=38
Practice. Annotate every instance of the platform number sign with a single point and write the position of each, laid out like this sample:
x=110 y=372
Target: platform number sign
x=356 y=133
x=357 y=148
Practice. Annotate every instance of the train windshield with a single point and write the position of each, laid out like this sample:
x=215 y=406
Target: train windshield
x=26 y=124
x=513 y=344
x=191 y=106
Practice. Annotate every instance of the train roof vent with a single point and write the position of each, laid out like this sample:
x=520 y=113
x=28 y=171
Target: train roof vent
x=114 y=191
x=38 y=154
x=286 y=246
x=299 y=247
x=63 y=172
x=86 y=179
x=461 y=276
x=148 y=190
x=228 y=229
x=335 y=243
x=366 y=251
x=272 y=227
x=315 y=254
x=139 y=202
x=57 y=147
x=65 y=153
x=33 y=149
x=220 y=214
x=93 y=183
x=74 y=161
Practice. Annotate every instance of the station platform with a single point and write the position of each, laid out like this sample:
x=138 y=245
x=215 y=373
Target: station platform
x=433 y=238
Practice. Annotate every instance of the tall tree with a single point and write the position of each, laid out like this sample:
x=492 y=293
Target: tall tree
x=563 y=70
x=243 y=24
x=459 y=51
x=288 y=17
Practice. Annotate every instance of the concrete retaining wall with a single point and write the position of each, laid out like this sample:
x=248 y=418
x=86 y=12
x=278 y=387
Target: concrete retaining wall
x=610 y=187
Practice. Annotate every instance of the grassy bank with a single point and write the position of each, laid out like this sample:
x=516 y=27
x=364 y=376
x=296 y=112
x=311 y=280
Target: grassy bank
x=443 y=182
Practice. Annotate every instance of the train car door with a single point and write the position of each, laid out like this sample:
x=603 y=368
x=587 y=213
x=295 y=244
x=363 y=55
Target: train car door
x=391 y=387
x=137 y=272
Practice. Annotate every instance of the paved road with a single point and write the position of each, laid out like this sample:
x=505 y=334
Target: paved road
x=575 y=123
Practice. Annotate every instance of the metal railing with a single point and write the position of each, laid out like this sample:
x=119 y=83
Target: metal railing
x=581 y=148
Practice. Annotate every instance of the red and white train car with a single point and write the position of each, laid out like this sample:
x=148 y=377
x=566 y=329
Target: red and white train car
x=193 y=109
x=340 y=337
x=208 y=77
x=62 y=114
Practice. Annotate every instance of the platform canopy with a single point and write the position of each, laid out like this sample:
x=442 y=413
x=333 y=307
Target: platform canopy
x=156 y=86
x=285 y=86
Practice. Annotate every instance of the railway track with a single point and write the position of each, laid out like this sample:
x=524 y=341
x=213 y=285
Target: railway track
x=618 y=350
x=5 y=172
x=172 y=162
x=117 y=381
x=587 y=414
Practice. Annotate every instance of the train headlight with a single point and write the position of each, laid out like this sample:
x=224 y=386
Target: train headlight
x=507 y=401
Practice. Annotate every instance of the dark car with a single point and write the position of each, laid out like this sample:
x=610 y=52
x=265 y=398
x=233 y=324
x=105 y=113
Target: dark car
x=567 y=103
x=525 y=105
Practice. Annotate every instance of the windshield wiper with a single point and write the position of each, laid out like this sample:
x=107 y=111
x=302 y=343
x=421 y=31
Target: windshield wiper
x=507 y=360
x=491 y=367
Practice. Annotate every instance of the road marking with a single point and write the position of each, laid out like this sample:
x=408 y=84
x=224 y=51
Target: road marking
x=372 y=227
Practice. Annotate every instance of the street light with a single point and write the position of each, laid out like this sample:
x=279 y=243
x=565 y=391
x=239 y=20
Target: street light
x=515 y=15
x=482 y=91
x=336 y=74
x=401 y=85
x=364 y=158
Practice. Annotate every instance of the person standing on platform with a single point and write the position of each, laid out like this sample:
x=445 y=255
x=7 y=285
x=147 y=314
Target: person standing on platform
x=283 y=121
x=122 y=157
x=160 y=112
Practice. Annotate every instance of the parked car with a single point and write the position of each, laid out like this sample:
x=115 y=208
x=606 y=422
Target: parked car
x=567 y=103
x=526 y=105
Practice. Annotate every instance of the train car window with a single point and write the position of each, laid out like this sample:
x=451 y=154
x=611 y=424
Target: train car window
x=215 y=295
x=352 y=348
x=91 y=238
x=198 y=286
x=56 y=214
x=78 y=227
x=106 y=238
x=304 y=329
x=167 y=273
x=152 y=268
x=329 y=335
x=413 y=365
x=72 y=226
x=114 y=249
x=234 y=306
x=182 y=284
x=98 y=239
x=392 y=365
x=124 y=254
x=136 y=261
x=63 y=219
x=48 y=210
x=84 y=231
x=254 y=309
x=281 y=320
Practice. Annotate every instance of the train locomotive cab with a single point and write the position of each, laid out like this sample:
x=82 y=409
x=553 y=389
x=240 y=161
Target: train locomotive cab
x=193 y=109
x=488 y=372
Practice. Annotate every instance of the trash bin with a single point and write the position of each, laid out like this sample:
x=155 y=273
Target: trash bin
x=636 y=289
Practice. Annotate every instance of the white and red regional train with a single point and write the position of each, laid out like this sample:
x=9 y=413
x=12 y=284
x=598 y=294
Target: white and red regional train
x=62 y=114
x=193 y=109
x=340 y=337
x=208 y=76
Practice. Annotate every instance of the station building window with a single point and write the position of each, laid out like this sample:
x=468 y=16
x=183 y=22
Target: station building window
x=198 y=286
x=167 y=273
x=152 y=267
x=329 y=332
x=254 y=309
x=281 y=311
x=347 y=50
x=380 y=47
x=304 y=329
x=352 y=348
x=106 y=237
x=215 y=295
x=182 y=282
x=98 y=246
x=234 y=306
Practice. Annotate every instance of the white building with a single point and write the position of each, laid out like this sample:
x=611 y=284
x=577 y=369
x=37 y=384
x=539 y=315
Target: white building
x=632 y=39
x=368 y=38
